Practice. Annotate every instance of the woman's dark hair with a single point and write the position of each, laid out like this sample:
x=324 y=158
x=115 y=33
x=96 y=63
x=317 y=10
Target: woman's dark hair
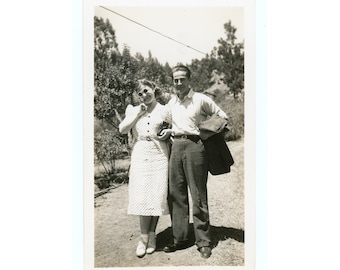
x=150 y=84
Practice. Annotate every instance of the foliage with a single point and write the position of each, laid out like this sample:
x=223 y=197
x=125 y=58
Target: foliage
x=108 y=148
x=227 y=58
x=232 y=56
x=105 y=45
x=201 y=70
x=234 y=108
x=116 y=74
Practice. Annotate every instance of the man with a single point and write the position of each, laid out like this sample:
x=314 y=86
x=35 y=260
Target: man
x=188 y=165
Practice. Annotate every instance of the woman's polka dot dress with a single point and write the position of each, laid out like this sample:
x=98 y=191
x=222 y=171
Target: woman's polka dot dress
x=148 y=176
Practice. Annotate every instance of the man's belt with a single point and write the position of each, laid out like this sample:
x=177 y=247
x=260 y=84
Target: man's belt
x=194 y=138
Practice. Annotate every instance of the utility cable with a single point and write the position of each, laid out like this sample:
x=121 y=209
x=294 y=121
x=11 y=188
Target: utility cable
x=159 y=33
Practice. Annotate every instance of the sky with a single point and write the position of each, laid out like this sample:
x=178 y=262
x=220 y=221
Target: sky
x=196 y=27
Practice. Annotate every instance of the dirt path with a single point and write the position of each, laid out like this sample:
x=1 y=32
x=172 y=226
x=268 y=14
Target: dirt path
x=117 y=234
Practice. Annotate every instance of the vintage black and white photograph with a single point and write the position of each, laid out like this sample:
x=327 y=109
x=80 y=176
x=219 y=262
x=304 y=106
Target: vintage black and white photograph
x=172 y=134
x=166 y=182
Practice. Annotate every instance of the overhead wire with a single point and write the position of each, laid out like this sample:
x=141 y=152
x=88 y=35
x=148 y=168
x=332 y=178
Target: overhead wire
x=157 y=32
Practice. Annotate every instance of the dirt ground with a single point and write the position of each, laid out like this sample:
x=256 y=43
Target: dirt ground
x=117 y=234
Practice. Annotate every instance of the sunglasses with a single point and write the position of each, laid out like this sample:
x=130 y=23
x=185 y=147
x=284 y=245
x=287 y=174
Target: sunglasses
x=144 y=91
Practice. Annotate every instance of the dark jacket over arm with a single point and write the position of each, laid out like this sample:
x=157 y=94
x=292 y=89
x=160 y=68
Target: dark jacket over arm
x=219 y=156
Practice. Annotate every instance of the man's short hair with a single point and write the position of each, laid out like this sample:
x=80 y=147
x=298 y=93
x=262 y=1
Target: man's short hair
x=182 y=68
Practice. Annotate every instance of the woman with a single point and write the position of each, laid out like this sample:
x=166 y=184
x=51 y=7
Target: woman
x=148 y=176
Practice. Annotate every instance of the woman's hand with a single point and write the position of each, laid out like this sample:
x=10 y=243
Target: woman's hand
x=164 y=134
x=132 y=114
x=142 y=109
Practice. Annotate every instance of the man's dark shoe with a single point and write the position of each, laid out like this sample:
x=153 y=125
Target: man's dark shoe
x=205 y=252
x=173 y=247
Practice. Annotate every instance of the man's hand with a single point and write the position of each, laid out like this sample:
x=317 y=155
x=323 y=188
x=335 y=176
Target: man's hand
x=164 y=134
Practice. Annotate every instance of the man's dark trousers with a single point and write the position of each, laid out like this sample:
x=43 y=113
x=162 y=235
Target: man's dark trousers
x=189 y=167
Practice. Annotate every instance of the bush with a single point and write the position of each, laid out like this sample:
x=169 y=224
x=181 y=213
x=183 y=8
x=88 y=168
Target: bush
x=108 y=147
x=106 y=181
x=234 y=108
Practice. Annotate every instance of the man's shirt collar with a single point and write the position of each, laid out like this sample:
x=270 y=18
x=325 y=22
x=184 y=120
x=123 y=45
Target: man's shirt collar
x=189 y=95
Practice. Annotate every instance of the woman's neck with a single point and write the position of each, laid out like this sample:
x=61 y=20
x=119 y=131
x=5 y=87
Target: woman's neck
x=151 y=106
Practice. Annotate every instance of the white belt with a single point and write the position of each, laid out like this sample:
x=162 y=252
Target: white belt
x=146 y=138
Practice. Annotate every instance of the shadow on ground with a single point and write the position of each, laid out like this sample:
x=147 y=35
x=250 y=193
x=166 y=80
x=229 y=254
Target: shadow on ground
x=217 y=234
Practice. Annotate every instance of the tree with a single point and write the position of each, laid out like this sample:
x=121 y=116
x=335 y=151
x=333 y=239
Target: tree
x=231 y=55
x=114 y=78
x=114 y=81
x=105 y=45
x=201 y=71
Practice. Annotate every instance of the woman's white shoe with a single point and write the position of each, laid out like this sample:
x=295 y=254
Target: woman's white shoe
x=141 y=249
x=151 y=244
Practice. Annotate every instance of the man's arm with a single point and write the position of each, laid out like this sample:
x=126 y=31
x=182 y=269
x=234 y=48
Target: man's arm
x=209 y=107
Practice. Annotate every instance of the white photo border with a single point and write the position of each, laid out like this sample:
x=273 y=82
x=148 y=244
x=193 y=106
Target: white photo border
x=250 y=122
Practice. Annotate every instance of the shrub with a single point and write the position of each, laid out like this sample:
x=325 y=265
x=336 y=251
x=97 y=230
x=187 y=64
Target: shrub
x=107 y=149
x=234 y=108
